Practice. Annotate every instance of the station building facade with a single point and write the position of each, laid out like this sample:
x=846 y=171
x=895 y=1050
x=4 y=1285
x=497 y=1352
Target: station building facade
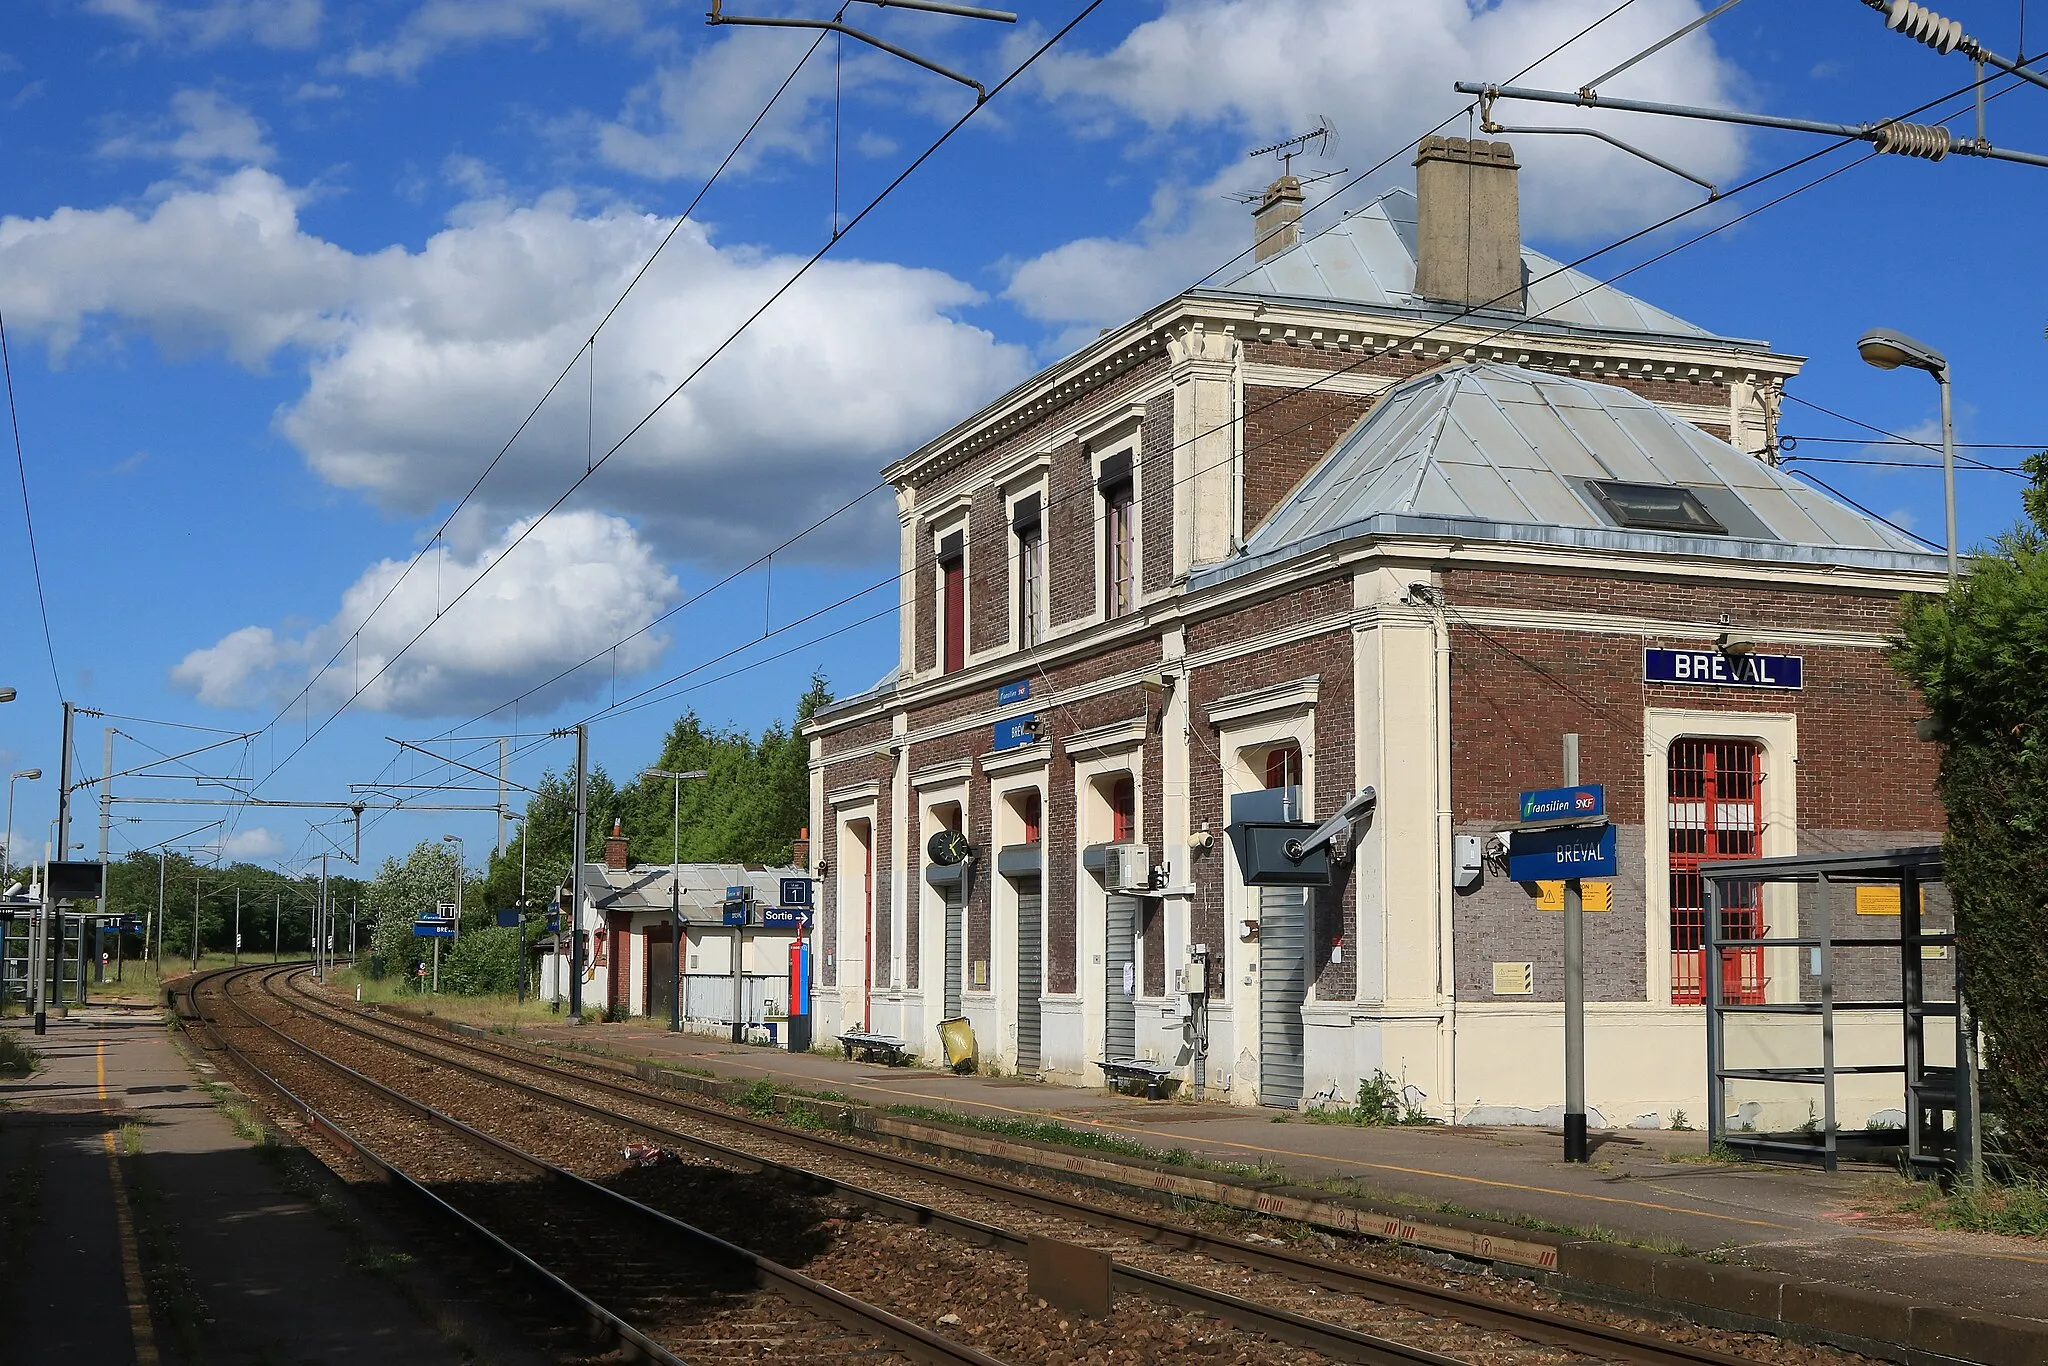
x=1399 y=507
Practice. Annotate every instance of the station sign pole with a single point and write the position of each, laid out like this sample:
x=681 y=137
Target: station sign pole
x=1574 y=992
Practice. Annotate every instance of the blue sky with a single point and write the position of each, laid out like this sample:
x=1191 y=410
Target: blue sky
x=282 y=277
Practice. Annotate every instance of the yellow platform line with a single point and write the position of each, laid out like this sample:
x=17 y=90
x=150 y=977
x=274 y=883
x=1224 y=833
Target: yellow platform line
x=139 y=1326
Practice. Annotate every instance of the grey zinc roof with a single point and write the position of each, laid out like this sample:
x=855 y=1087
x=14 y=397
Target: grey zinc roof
x=1496 y=452
x=1368 y=258
x=645 y=886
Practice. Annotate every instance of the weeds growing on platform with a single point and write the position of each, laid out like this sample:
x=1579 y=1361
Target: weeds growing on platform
x=2017 y=1209
x=1046 y=1131
x=1382 y=1101
x=17 y=1059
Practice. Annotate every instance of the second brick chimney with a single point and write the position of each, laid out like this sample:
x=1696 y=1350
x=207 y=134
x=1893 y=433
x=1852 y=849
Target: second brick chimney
x=615 y=848
x=1468 y=224
x=1276 y=222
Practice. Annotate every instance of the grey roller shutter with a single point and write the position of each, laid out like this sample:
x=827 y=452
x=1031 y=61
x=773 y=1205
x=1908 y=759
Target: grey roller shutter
x=954 y=930
x=1120 y=1020
x=1283 y=986
x=1030 y=971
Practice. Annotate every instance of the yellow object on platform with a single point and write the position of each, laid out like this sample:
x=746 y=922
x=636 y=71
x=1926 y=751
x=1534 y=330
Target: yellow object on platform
x=958 y=1038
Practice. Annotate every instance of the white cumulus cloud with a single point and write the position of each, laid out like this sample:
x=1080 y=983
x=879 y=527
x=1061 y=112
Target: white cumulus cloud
x=1383 y=74
x=269 y=23
x=248 y=845
x=580 y=581
x=203 y=129
x=438 y=25
x=420 y=364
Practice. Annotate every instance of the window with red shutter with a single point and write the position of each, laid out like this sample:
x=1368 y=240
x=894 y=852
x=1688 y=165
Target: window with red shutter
x=1715 y=800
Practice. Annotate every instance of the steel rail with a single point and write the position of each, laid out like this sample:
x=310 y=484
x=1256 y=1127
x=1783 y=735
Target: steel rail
x=1334 y=1340
x=771 y=1276
x=356 y=1148
x=1531 y=1324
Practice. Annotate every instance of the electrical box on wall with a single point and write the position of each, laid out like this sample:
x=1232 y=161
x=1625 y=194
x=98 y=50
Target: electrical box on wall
x=1191 y=978
x=1468 y=862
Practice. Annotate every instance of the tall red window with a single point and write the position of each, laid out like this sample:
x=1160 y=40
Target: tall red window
x=1123 y=810
x=1119 y=550
x=1030 y=810
x=1283 y=766
x=953 y=603
x=1716 y=815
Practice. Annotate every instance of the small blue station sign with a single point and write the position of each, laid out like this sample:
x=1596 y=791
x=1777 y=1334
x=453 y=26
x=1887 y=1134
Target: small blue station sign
x=1566 y=852
x=1009 y=693
x=796 y=892
x=1585 y=803
x=1716 y=669
x=1015 y=733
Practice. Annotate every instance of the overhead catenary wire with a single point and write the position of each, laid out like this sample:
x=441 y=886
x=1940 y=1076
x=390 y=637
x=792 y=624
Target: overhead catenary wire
x=632 y=702
x=28 y=517
x=723 y=345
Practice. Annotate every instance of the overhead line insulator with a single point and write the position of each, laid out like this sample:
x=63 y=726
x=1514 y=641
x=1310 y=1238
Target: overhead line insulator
x=1923 y=25
x=1928 y=140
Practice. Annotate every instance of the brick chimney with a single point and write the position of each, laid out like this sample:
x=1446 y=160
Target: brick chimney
x=1468 y=225
x=615 y=848
x=1276 y=222
x=800 y=848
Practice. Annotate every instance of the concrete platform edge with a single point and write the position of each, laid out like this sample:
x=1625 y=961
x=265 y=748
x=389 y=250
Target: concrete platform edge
x=1612 y=1274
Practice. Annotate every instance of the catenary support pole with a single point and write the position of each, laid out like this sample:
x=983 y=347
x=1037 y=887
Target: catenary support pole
x=1574 y=993
x=56 y=962
x=580 y=835
x=276 y=925
x=106 y=809
x=238 y=927
x=162 y=858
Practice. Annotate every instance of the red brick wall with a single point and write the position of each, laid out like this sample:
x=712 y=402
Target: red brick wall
x=1286 y=435
x=1157 y=491
x=1328 y=655
x=988 y=570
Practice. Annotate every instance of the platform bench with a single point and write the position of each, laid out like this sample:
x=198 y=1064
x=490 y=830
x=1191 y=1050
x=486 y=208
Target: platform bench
x=886 y=1048
x=1135 y=1070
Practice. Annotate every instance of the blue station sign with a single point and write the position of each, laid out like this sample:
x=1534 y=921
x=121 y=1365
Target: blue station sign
x=432 y=929
x=796 y=892
x=1019 y=691
x=1564 y=853
x=784 y=918
x=1584 y=803
x=1015 y=733
x=1714 y=668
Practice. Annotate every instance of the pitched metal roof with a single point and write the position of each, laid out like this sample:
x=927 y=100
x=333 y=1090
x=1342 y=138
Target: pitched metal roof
x=645 y=887
x=1495 y=452
x=1367 y=258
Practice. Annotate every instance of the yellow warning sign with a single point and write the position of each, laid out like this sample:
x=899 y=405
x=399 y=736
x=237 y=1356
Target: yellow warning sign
x=1877 y=901
x=1597 y=896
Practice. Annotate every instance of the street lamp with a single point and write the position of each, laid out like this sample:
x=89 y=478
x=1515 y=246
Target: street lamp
x=675 y=890
x=1888 y=350
x=6 y=694
x=34 y=775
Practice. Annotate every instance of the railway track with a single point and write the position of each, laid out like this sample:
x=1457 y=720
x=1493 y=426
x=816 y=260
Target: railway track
x=1340 y=1310
x=655 y=1283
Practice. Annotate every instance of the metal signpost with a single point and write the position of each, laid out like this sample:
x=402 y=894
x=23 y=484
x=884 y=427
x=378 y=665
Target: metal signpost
x=1579 y=843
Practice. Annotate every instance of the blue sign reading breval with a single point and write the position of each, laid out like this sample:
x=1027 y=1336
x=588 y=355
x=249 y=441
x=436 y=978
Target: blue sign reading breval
x=1564 y=804
x=1567 y=852
x=735 y=913
x=1726 y=670
x=432 y=929
x=1020 y=691
x=1016 y=732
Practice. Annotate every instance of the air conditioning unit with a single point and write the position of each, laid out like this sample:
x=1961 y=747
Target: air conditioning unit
x=1129 y=868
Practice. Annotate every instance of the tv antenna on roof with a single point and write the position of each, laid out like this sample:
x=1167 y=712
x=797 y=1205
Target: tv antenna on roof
x=1325 y=135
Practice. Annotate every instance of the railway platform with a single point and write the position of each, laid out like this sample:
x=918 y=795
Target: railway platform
x=137 y=1226
x=1653 y=1190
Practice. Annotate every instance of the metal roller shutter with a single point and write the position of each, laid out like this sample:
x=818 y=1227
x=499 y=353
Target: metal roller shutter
x=955 y=928
x=1283 y=986
x=1030 y=971
x=1120 y=1020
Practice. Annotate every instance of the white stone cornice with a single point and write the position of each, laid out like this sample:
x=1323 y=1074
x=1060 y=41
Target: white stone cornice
x=942 y=775
x=855 y=794
x=996 y=763
x=1111 y=738
x=1277 y=699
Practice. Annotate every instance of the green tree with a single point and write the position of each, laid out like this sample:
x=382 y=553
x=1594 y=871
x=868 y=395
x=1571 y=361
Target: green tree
x=401 y=893
x=1979 y=656
x=483 y=962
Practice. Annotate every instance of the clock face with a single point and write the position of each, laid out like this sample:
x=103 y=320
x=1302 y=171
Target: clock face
x=947 y=847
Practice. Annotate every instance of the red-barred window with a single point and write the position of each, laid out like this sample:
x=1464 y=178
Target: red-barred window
x=1716 y=815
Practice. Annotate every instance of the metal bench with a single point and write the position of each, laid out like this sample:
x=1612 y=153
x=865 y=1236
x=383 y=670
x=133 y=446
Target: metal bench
x=885 y=1048
x=1134 y=1070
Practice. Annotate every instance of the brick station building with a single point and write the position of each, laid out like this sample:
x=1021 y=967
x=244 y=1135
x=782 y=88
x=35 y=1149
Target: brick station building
x=1398 y=507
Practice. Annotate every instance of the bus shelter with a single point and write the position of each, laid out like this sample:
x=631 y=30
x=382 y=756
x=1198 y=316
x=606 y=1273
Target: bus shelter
x=1848 y=1005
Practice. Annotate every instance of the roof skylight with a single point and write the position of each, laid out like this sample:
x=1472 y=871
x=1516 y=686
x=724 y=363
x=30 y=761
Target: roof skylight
x=1655 y=507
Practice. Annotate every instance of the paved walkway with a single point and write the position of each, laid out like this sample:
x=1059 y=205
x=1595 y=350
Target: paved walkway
x=241 y=1270
x=1820 y=1227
